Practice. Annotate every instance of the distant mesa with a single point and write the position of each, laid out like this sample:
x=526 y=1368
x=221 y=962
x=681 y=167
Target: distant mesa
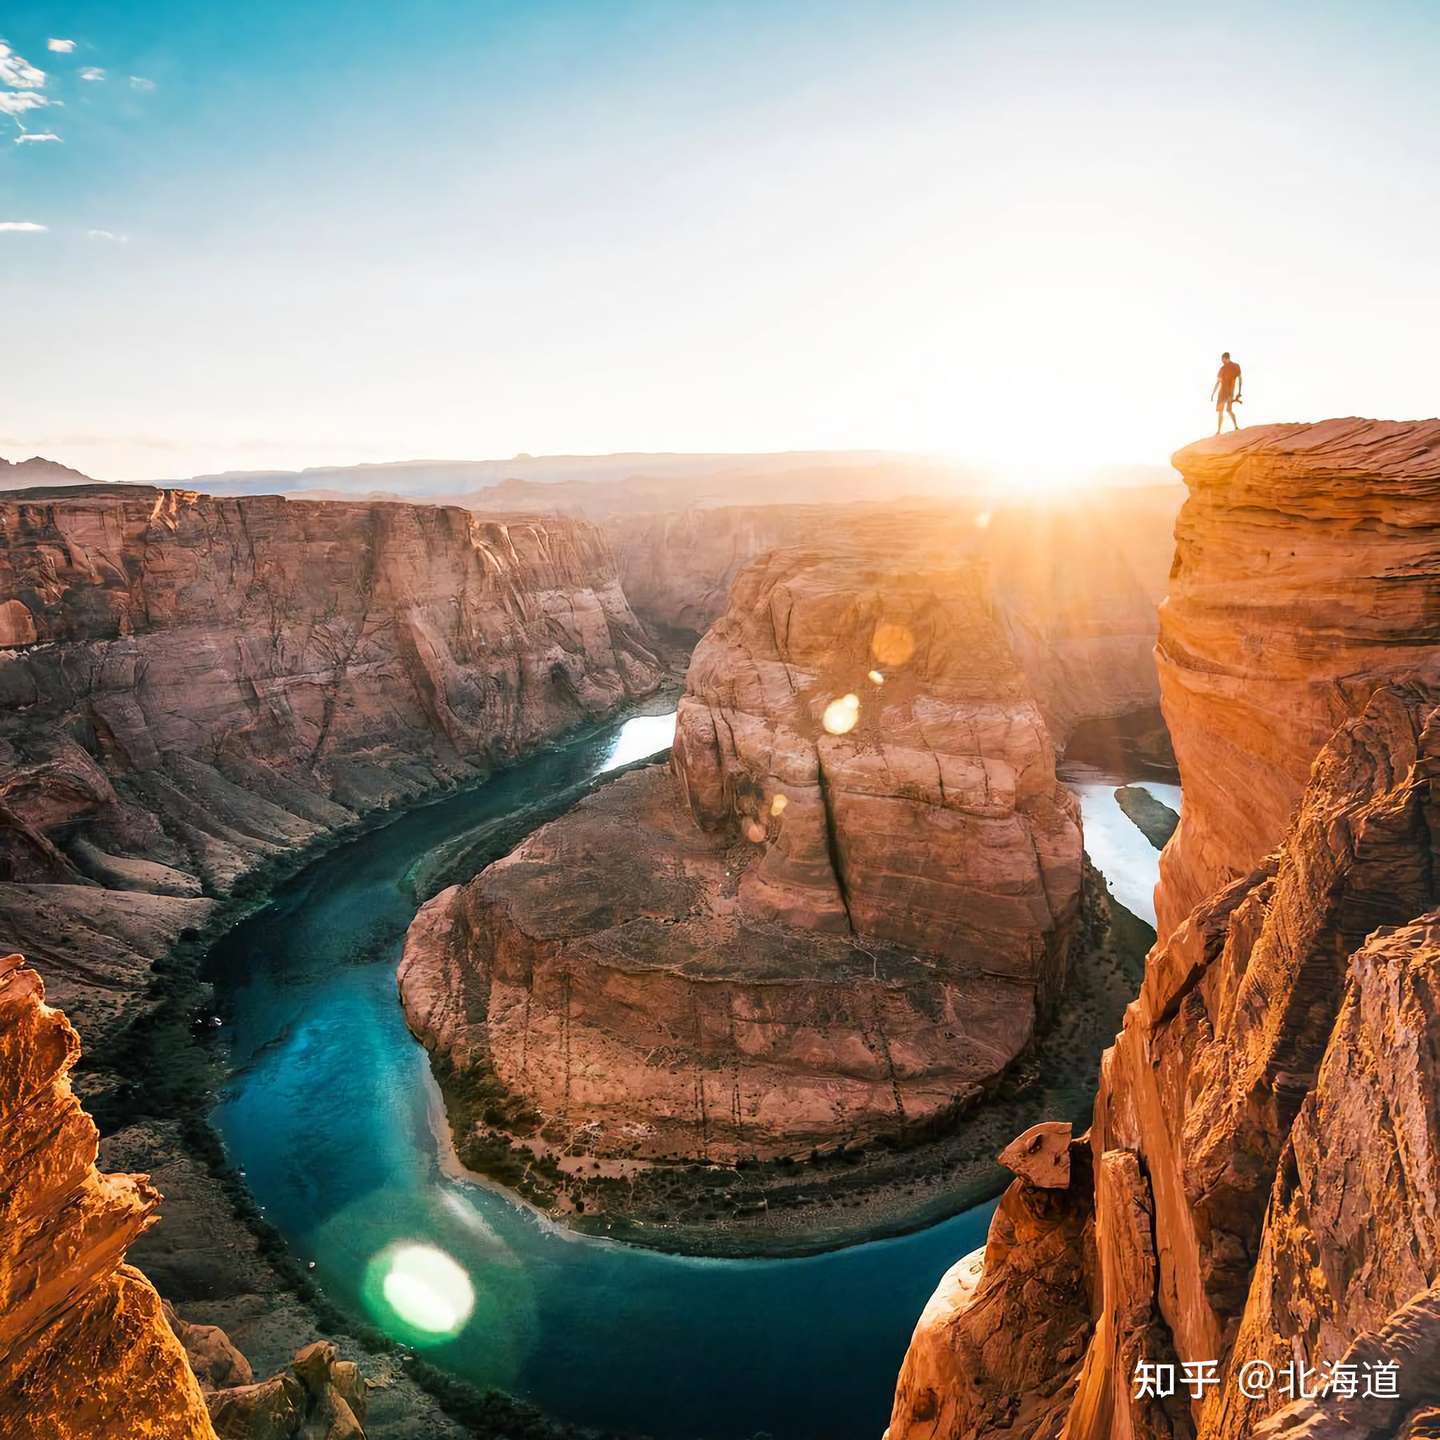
x=38 y=471
x=598 y=484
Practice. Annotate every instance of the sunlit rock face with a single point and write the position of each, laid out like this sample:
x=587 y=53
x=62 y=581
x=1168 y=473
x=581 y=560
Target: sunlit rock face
x=1306 y=573
x=85 y=1350
x=1268 y=1077
x=196 y=685
x=881 y=705
x=995 y=1350
x=838 y=914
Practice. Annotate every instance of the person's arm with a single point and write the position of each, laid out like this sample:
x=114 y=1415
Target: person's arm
x=1215 y=388
x=1239 y=382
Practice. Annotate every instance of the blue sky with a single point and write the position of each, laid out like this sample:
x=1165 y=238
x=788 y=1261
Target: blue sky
x=365 y=231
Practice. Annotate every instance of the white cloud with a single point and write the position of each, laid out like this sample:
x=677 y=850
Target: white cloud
x=31 y=137
x=60 y=47
x=92 y=72
x=27 y=227
x=17 y=71
x=139 y=82
x=108 y=235
x=17 y=102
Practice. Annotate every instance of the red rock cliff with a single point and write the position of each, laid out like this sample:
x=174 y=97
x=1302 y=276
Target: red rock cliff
x=1304 y=576
x=85 y=1349
x=191 y=685
x=1267 y=1188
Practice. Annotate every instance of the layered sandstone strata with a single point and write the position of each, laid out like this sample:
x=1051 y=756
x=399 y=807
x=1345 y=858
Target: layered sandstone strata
x=190 y=686
x=1267 y=1184
x=85 y=1349
x=841 y=912
x=1272 y=1125
x=1305 y=575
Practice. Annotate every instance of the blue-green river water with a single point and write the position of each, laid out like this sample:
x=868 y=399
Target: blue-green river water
x=331 y=1112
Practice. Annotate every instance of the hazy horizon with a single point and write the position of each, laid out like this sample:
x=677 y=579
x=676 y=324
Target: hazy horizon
x=690 y=474
x=1022 y=235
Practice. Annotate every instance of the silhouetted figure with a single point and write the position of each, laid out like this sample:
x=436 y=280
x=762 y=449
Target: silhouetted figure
x=1226 y=392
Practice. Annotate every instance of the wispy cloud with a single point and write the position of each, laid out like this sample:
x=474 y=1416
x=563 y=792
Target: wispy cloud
x=24 y=227
x=22 y=82
x=109 y=235
x=60 y=47
x=31 y=137
x=17 y=71
x=17 y=102
x=139 y=82
x=92 y=72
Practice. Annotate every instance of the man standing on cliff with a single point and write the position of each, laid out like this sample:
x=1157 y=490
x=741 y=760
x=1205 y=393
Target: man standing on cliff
x=1226 y=392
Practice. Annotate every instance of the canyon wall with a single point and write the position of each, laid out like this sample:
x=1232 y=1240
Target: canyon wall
x=840 y=913
x=1266 y=1175
x=1076 y=582
x=677 y=566
x=1304 y=576
x=190 y=686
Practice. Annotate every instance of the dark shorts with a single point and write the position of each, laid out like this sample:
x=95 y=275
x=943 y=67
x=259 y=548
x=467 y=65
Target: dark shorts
x=1225 y=399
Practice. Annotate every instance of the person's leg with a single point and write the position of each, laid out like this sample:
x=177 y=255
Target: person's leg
x=1219 y=417
x=1231 y=408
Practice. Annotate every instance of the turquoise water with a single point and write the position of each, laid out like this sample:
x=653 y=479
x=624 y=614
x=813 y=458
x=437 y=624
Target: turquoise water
x=330 y=1112
x=1116 y=845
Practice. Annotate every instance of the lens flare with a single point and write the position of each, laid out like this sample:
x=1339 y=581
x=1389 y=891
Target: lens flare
x=876 y=678
x=426 y=1288
x=778 y=804
x=841 y=715
x=755 y=832
x=892 y=644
